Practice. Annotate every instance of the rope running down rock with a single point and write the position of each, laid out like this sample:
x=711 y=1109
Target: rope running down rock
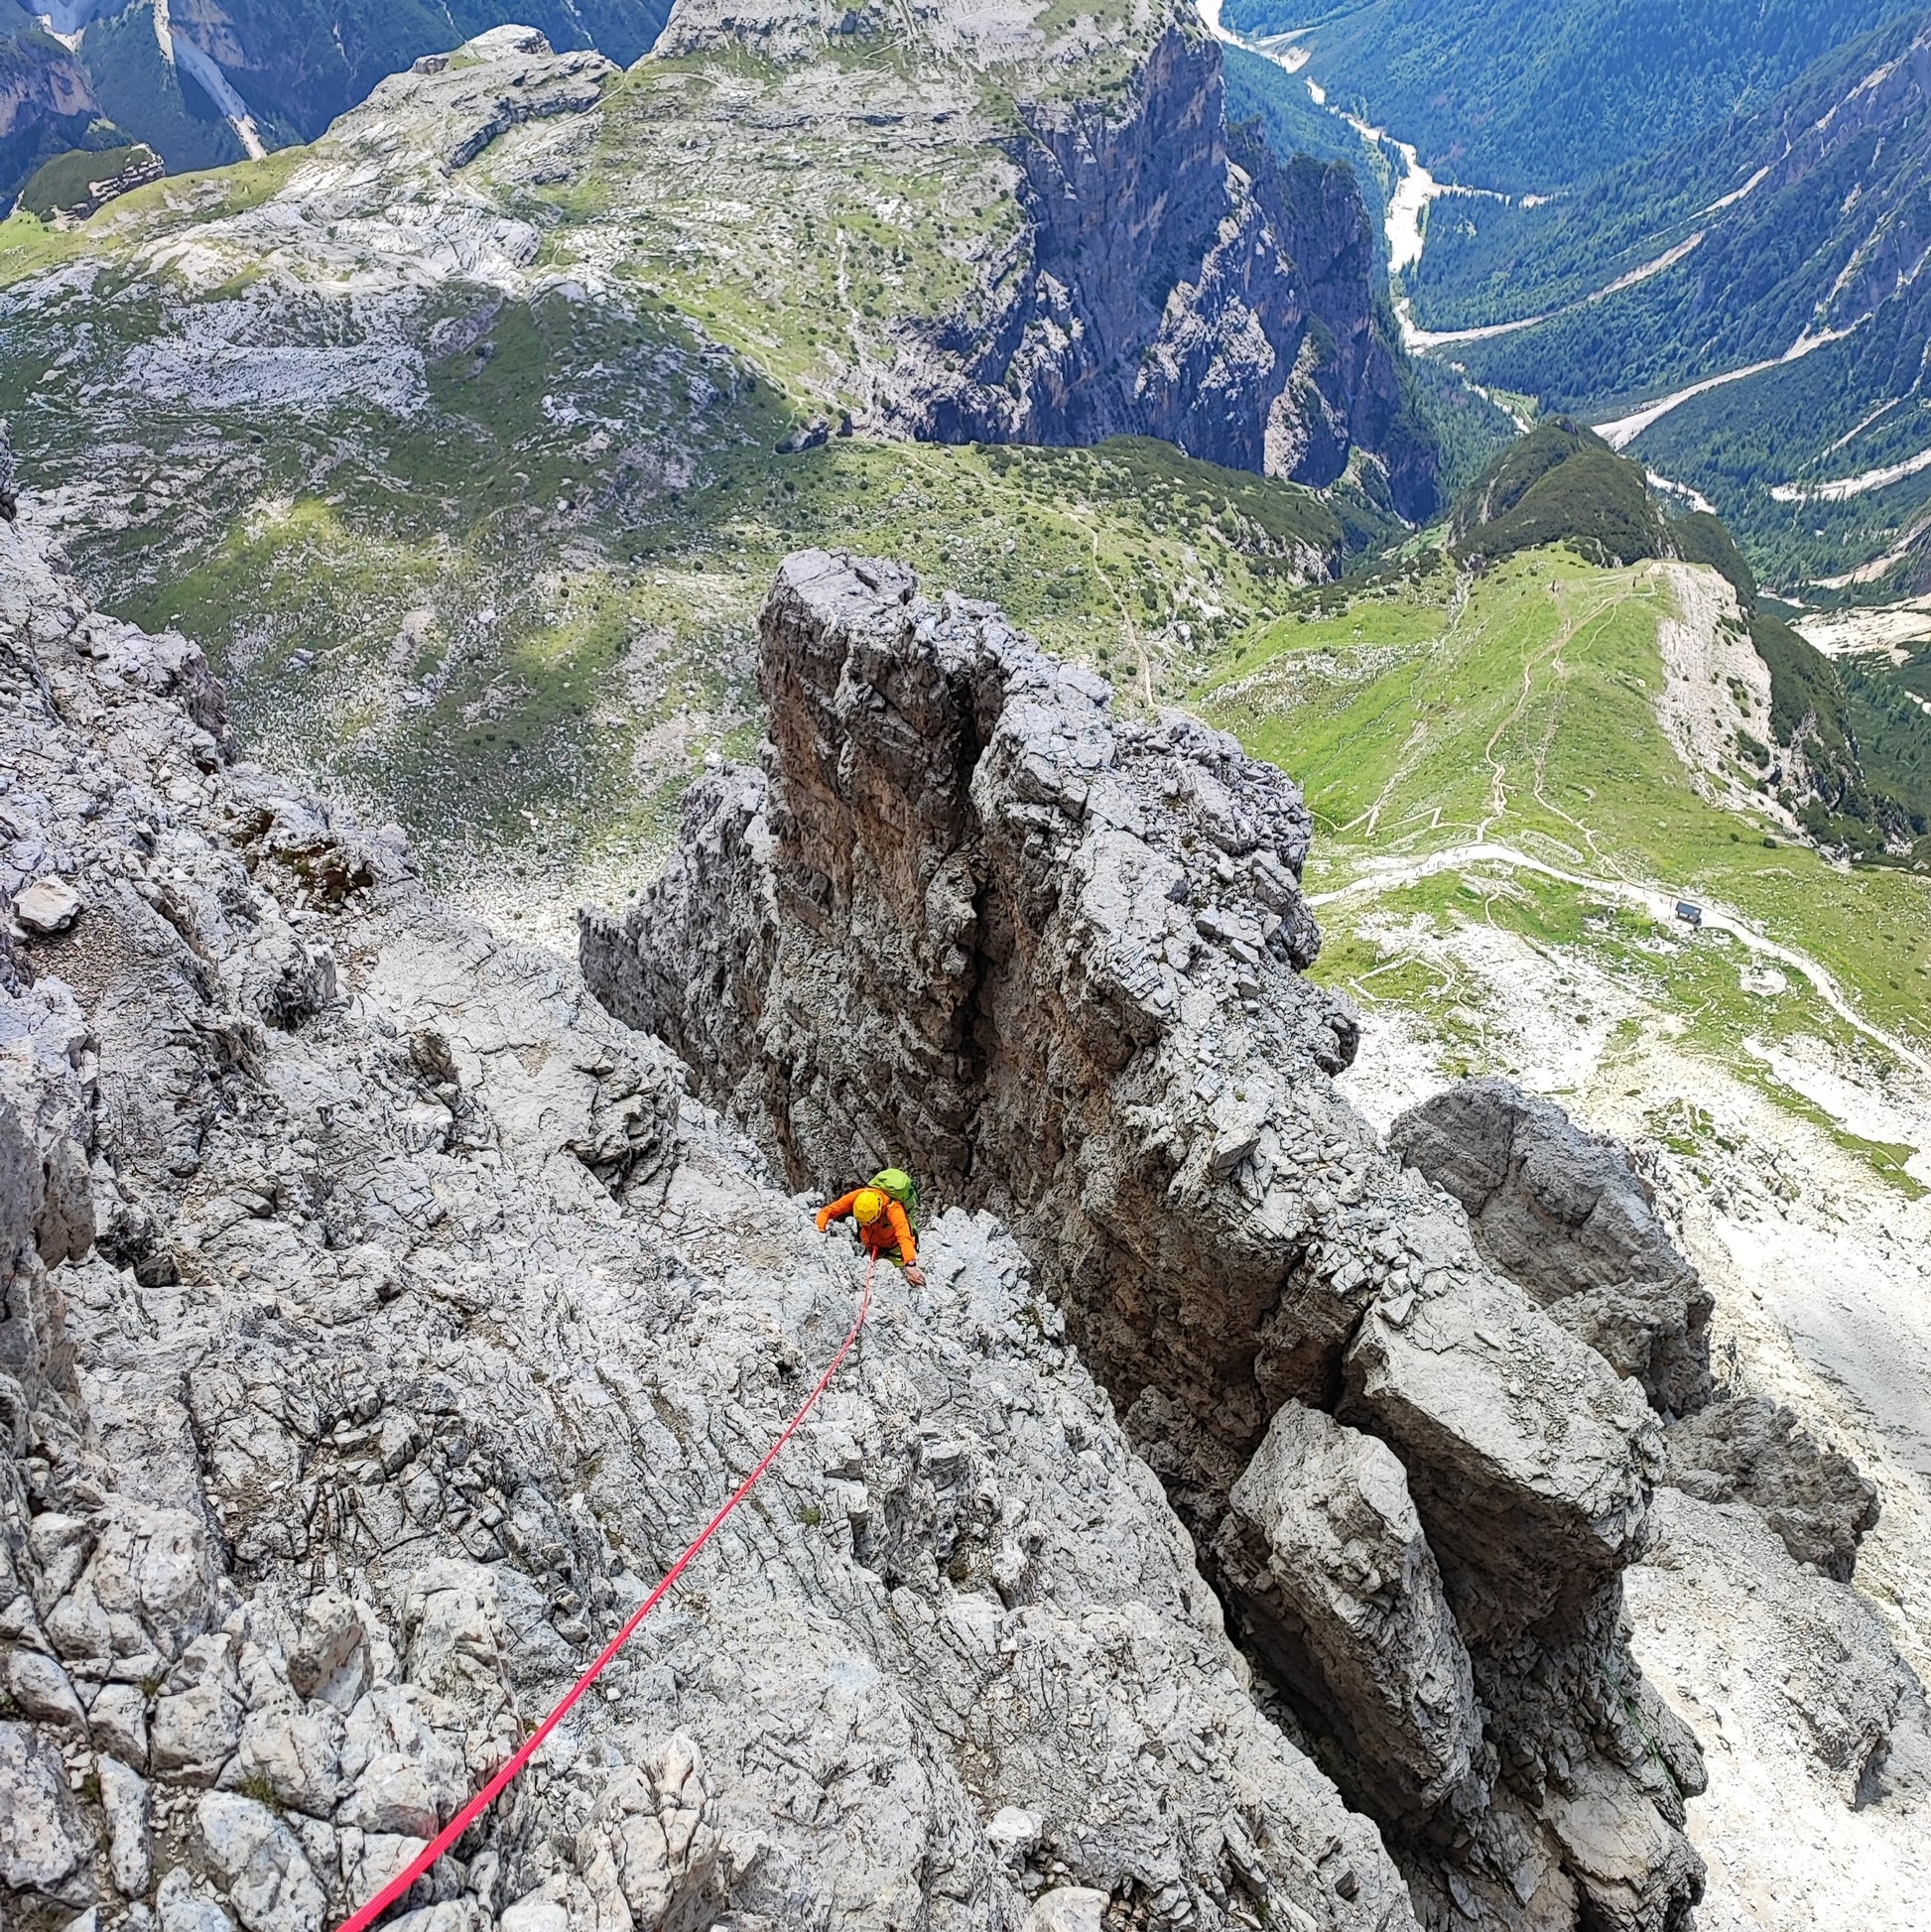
x=399 y=1886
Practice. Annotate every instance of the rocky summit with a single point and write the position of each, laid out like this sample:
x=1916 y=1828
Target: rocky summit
x=963 y=909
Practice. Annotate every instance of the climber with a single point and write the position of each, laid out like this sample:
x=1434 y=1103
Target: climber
x=884 y=1208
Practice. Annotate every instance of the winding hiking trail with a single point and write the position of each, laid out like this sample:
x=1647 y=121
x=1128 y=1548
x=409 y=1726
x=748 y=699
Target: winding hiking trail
x=1380 y=875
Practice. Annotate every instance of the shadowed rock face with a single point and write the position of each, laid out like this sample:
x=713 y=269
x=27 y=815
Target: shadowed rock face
x=1565 y=1213
x=1323 y=1548
x=964 y=919
x=1171 y=277
x=1180 y=282
x=1753 y=1450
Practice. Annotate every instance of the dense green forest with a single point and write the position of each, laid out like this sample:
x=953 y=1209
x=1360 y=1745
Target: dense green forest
x=1782 y=249
x=1776 y=244
x=1261 y=90
x=1560 y=484
x=136 y=87
x=1533 y=98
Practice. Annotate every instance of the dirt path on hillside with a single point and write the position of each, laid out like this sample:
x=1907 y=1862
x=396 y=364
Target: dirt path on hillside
x=1390 y=875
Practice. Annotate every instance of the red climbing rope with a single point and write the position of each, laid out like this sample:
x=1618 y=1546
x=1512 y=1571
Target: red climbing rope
x=398 y=1886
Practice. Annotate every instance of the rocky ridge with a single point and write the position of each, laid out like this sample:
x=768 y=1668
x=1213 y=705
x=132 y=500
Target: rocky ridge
x=1165 y=281
x=1805 y=1691
x=1171 y=279
x=381 y=1316
x=1065 y=953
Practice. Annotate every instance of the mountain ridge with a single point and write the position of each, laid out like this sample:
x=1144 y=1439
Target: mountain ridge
x=644 y=307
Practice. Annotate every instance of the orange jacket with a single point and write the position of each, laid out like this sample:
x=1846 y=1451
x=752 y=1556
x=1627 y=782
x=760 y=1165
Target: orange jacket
x=894 y=1230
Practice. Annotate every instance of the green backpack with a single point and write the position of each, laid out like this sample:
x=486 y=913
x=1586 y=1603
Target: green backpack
x=897 y=1184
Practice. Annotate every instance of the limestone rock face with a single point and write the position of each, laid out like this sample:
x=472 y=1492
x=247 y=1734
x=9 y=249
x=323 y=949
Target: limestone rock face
x=1172 y=278
x=1753 y=1450
x=1323 y=1546
x=1566 y=1215
x=417 y=1321
x=1257 y=345
x=964 y=919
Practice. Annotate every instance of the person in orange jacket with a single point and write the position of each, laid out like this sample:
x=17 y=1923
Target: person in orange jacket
x=882 y=1225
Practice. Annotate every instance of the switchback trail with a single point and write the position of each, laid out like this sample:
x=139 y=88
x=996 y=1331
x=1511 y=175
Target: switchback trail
x=1389 y=874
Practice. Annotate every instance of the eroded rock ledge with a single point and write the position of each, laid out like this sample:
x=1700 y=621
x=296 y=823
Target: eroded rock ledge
x=963 y=917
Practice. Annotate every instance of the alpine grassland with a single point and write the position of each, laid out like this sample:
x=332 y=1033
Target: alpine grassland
x=1428 y=714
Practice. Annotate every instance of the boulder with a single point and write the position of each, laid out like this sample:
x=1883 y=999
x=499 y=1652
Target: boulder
x=43 y=1844
x=50 y=905
x=1754 y=1450
x=1324 y=1555
x=1566 y=1215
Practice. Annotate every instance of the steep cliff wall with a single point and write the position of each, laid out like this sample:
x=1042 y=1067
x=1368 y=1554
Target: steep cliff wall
x=964 y=919
x=1174 y=282
x=377 y=1320
x=1168 y=277
x=45 y=102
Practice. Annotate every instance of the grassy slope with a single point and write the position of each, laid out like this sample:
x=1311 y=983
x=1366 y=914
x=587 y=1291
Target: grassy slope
x=540 y=679
x=530 y=602
x=1395 y=713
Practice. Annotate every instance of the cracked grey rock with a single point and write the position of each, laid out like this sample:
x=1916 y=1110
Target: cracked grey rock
x=197 y=1722
x=118 y=1719
x=182 y=1909
x=259 y=1864
x=130 y=1841
x=294 y=1753
x=43 y=1844
x=1075 y=946
x=1339 y=1592
x=343 y=1423
x=1567 y=1215
x=1753 y=1450
x=41 y=1689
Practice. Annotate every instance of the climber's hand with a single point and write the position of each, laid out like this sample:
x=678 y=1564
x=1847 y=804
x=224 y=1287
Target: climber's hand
x=915 y=1277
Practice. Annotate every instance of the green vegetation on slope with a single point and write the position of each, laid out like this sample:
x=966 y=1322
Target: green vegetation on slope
x=1560 y=484
x=154 y=98
x=1537 y=98
x=527 y=675
x=67 y=182
x=1421 y=722
x=489 y=561
x=1852 y=752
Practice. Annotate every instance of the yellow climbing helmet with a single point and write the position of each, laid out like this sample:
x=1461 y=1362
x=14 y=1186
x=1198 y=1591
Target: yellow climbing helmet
x=869 y=1204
